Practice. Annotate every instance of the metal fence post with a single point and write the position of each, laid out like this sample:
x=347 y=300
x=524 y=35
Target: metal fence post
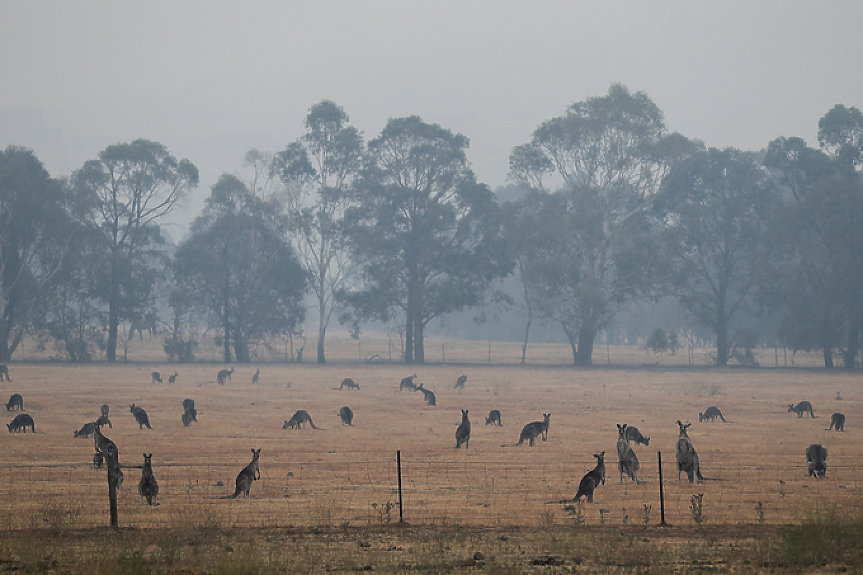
x=661 y=492
x=401 y=506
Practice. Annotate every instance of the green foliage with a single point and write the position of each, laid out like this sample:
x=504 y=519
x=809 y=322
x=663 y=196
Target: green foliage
x=183 y=350
x=661 y=342
x=825 y=535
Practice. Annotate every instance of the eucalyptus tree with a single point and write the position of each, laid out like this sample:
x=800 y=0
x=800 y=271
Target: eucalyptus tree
x=134 y=185
x=317 y=170
x=243 y=273
x=609 y=156
x=427 y=235
x=37 y=225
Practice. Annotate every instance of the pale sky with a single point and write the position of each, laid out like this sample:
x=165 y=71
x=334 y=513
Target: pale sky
x=212 y=79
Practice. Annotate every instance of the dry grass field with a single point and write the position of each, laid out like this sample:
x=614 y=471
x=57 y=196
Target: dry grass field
x=342 y=478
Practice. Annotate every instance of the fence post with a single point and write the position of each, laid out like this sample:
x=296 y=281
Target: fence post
x=661 y=492
x=113 y=467
x=401 y=506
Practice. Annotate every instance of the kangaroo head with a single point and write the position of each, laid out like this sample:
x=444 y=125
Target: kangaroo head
x=256 y=454
x=621 y=430
x=464 y=413
x=790 y=408
x=683 y=427
x=600 y=457
x=546 y=417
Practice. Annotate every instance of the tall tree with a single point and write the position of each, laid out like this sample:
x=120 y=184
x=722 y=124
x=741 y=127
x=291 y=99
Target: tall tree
x=714 y=221
x=244 y=273
x=135 y=185
x=37 y=225
x=317 y=170
x=610 y=154
x=426 y=233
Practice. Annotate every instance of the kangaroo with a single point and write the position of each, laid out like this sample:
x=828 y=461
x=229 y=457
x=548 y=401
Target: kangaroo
x=15 y=402
x=104 y=445
x=224 y=375
x=188 y=404
x=155 y=377
x=114 y=471
x=634 y=436
x=802 y=408
x=627 y=461
x=98 y=460
x=189 y=416
x=493 y=417
x=428 y=395
x=103 y=420
x=459 y=383
x=687 y=458
x=407 y=383
x=346 y=415
x=148 y=487
x=105 y=409
x=837 y=420
x=173 y=378
x=816 y=460
x=462 y=434
x=592 y=479
x=350 y=384
x=298 y=419
x=21 y=422
x=140 y=416
x=257 y=377
x=246 y=477
x=534 y=429
x=86 y=431
x=4 y=373
x=710 y=414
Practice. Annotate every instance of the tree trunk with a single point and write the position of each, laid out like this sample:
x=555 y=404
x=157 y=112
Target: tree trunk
x=419 y=343
x=573 y=342
x=409 y=330
x=828 y=357
x=322 y=332
x=526 y=337
x=113 y=311
x=852 y=348
x=586 y=339
x=722 y=344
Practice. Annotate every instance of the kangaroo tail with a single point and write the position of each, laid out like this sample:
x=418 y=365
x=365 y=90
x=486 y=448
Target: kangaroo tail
x=234 y=496
x=722 y=418
x=559 y=501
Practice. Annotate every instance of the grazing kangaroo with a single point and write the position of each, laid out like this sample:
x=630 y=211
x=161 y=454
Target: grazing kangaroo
x=98 y=460
x=592 y=479
x=105 y=409
x=140 y=416
x=257 y=377
x=534 y=429
x=155 y=377
x=4 y=373
x=346 y=415
x=224 y=375
x=15 y=402
x=298 y=419
x=407 y=383
x=687 y=458
x=86 y=431
x=148 y=487
x=21 y=422
x=459 y=383
x=189 y=416
x=462 y=434
x=173 y=378
x=816 y=460
x=428 y=395
x=634 y=436
x=837 y=420
x=246 y=477
x=627 y=461
x=493 y=417
x=802 y=408
x=710 y=414
x=350 y=384
x=103 y=420
x=188 y=404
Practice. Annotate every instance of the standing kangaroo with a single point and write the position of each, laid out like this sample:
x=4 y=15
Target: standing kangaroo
x=21 y=422
x=224 y=375
x=148 y=487
x=459 y=383
x=462 y=433
x=140 y=416
x=257 y=377
x=298 y=419
x=350 y=384
x=592 y=479
x=534 y=429
x=104 y=409
x=627 y=461
x=710 y=414
x=687 y=458
x=816 y=460
x=4 y=373
x=407 y=383
x=802 y=408
x=428 y=395
x=346 y=415
x=246 y=477
x=15 y=402
x=104 y=445
x=173 y=378
x=155 y=377
x=837 y=420
x=493 y=417
x=103 y=420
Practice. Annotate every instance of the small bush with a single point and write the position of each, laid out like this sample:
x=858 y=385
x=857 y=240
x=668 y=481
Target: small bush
x=824 y=536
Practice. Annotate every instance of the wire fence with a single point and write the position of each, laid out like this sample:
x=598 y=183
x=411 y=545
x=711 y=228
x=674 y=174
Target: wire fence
x=360 y=488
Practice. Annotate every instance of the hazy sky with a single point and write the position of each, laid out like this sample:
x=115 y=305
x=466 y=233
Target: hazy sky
x=212 y=79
